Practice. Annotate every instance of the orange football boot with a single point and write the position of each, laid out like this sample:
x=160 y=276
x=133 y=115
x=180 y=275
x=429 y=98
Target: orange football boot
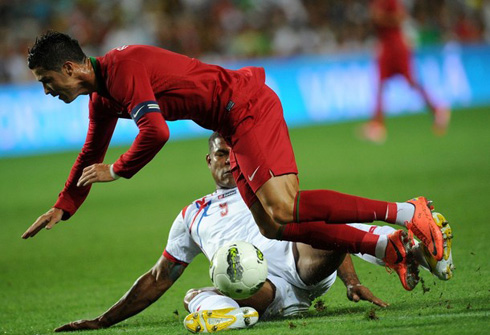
x=424 y=227
x=399 y=257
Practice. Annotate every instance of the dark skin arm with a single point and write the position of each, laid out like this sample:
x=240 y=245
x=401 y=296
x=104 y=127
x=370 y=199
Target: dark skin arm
x=355 y=290
x=145 y=291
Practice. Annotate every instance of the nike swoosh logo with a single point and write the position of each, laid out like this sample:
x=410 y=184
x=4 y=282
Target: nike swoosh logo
x=251 y=177
x=136 y=114
x=434 y=252
x=399 y=257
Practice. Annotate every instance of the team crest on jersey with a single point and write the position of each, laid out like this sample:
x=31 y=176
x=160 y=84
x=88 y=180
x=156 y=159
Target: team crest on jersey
x=226 y=194
x=121 y=48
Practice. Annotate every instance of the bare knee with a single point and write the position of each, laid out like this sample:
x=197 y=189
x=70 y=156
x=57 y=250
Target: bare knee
x=281 y=213
x=277 y=197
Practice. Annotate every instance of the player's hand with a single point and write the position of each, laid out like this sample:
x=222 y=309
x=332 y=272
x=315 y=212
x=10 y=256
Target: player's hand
x=80 y=325
x=360 y=292
x=95 y=173
x=48 y=220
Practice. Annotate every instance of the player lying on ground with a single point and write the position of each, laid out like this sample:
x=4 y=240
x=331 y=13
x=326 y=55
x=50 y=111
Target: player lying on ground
x=297 y=272
x=152 y=85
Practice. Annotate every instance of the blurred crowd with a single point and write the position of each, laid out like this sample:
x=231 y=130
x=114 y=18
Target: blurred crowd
x=218 y=30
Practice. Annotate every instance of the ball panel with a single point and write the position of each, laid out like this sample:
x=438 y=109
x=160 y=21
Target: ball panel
x=238 y=269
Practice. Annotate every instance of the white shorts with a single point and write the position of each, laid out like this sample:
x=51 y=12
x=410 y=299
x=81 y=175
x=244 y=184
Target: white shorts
x=291 y=300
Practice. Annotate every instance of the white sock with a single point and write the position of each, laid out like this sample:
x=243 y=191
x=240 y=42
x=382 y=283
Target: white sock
x=404 y=213
x=381 y=245
x=419 y=256
x=211 y=300
x=373 y=229
x=383 y=231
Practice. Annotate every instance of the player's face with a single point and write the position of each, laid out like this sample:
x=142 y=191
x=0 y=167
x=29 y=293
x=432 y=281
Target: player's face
x=219 y=164
x=61 y=84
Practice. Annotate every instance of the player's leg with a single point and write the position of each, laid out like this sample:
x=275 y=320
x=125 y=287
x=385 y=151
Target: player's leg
x=377 y=230
x=375 y=129
x=385 y=71
x=395 y=250
x=378 y=110
x=313 y=265
x=207 y=298
x=276 y=197
x=210 y=311
x=440 y=114
x=442 y=269
x=284 y=203
x=264 y=168
x=211 y=298
x=320 y=235
x=343 y=238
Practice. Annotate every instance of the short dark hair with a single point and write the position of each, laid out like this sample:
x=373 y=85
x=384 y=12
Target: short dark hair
x=52 y=49
x=211 y=139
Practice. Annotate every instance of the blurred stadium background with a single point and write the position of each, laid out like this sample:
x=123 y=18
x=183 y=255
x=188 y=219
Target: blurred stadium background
x=318 y=55
x=217 y=30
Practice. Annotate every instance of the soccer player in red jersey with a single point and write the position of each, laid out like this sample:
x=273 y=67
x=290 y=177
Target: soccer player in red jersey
x=395 y=57
x=153 y=85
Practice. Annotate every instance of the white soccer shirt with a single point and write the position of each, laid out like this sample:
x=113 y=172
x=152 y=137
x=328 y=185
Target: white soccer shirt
x=206 y=224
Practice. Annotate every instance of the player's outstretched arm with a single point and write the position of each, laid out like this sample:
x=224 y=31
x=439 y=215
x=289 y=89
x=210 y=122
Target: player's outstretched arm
x=145 y=291
x=355 y=290
x=47 y=220
x=95 y=173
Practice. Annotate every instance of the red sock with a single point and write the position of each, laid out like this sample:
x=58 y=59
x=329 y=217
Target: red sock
x=331 y=237
x=335 y=207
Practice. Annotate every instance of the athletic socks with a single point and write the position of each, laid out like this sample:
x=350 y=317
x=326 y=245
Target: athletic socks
x=314 y=208
x=404 y=213
x=336 y=207
x=330 y=237
x=211 y=300
x=380 y=251
x=384 y=231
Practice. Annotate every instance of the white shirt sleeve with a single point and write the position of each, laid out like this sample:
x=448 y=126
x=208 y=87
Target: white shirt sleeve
x=180 y=244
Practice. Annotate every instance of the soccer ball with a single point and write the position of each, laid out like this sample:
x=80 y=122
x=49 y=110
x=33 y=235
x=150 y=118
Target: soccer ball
x=238 y=269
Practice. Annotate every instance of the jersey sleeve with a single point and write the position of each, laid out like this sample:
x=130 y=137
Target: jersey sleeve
x=130 y=85
x=99 y=134
x=180 y=245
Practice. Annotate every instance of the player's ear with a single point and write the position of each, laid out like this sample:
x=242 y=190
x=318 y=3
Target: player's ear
x=208 y=160
x=68 y=68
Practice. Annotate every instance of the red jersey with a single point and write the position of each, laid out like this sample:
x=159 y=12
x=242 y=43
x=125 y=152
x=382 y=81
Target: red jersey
x=387 y=14
x=394 y=52
x=152 y=85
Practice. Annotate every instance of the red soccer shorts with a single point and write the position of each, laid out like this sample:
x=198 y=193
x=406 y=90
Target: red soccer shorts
x=261 y=147
x=395 y=58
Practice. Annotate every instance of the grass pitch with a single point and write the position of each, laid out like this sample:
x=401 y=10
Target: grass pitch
x=84 y=265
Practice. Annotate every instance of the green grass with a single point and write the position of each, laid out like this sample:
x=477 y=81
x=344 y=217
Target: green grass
x=84 y=265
